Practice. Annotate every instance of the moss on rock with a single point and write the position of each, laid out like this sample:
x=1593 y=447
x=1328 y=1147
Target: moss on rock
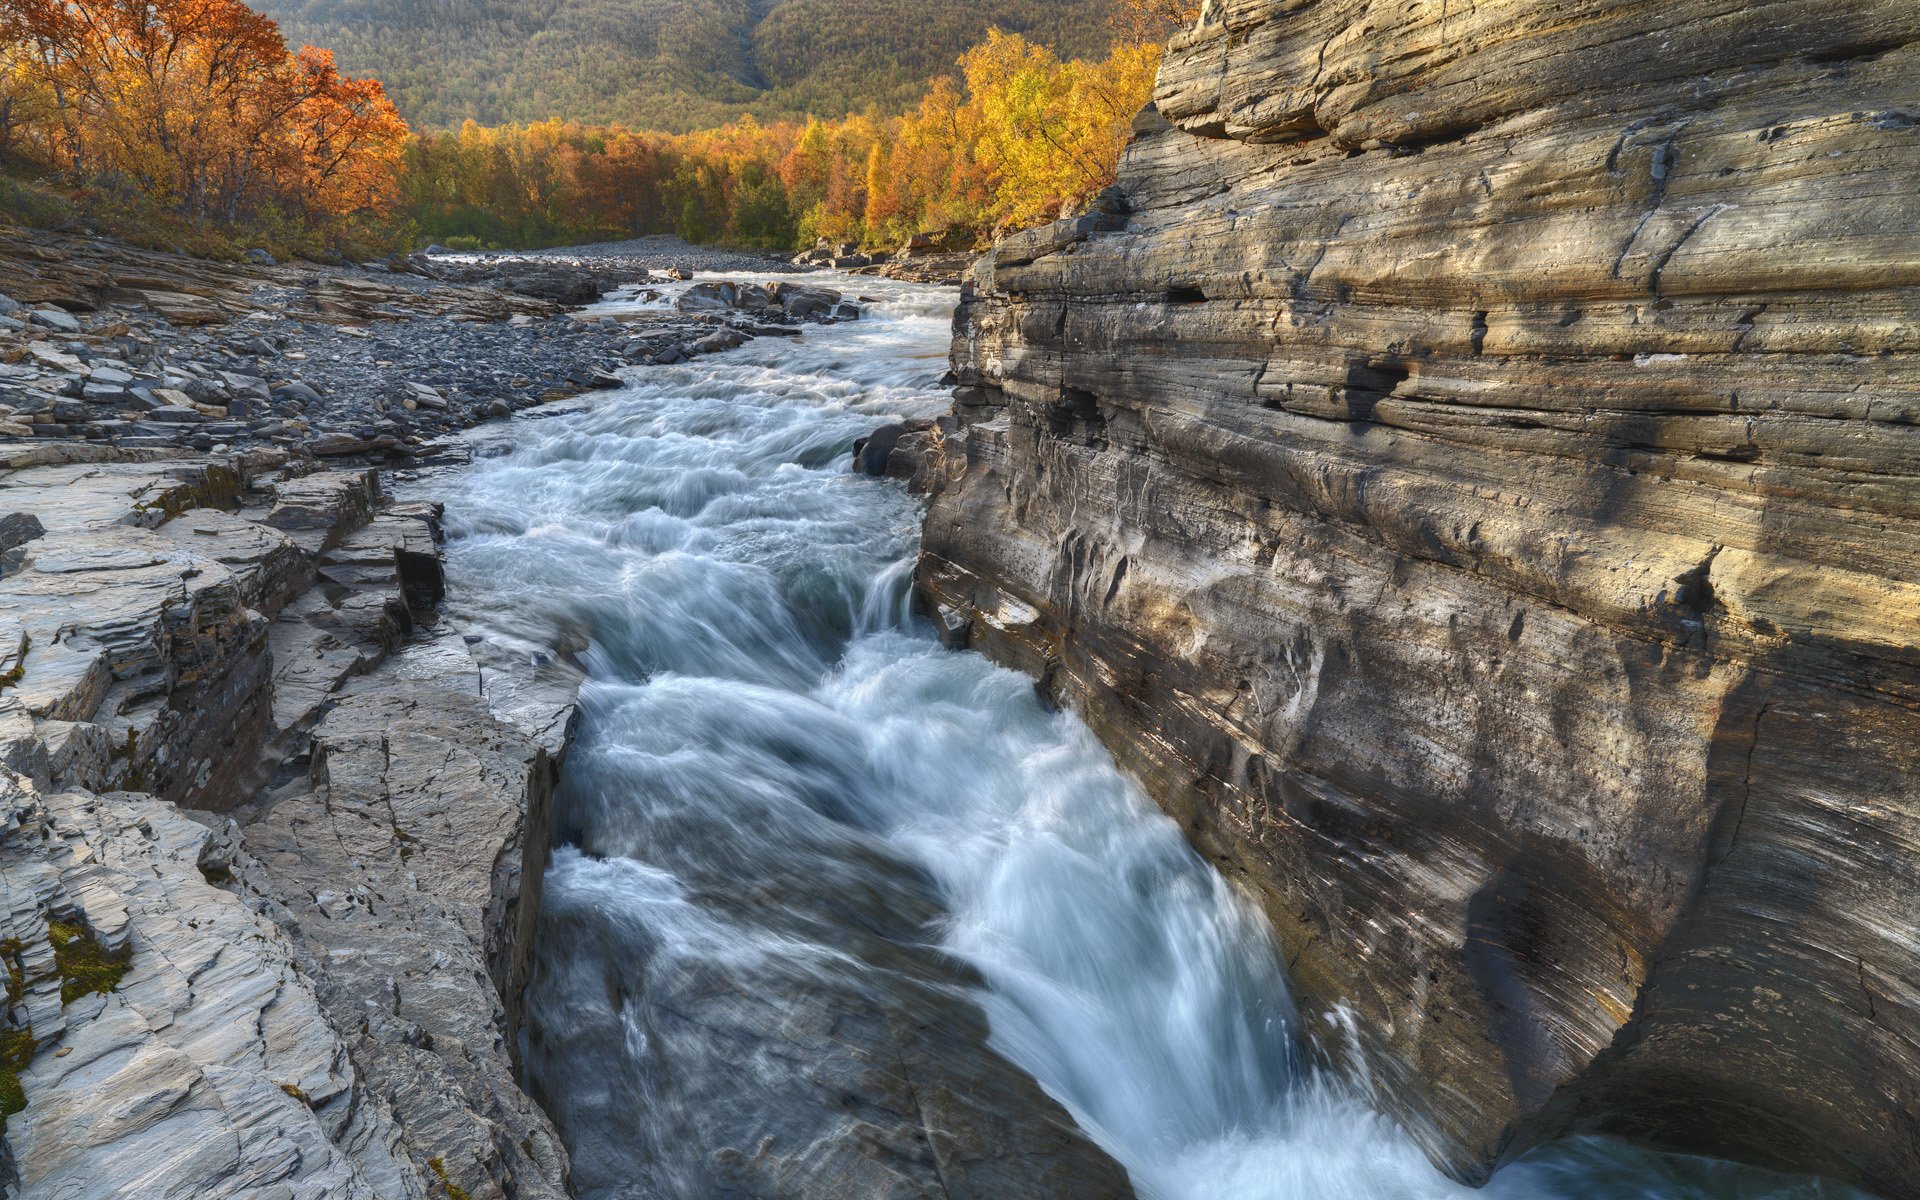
x=84 y=964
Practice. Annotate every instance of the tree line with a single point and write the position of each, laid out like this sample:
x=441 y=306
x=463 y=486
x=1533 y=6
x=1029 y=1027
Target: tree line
x=191 y=122
x=1016 y=137
x=673 y=65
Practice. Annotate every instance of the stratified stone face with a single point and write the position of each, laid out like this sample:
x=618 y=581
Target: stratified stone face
x=319 y=996
x=1469 y=472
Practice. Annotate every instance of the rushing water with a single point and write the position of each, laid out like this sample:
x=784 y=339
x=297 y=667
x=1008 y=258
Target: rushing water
x=778 y=764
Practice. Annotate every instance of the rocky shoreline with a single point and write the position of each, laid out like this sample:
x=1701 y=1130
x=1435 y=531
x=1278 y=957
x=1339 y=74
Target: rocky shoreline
x=249 y=768
x=274 y=826
x=105 y=344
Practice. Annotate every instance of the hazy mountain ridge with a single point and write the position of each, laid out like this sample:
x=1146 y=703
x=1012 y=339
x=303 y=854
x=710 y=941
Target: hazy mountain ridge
x=665 y=64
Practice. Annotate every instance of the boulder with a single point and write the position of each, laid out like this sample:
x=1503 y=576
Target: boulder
x=55 y=319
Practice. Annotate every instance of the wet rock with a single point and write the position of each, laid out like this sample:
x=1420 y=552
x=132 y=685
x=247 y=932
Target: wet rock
x=895 y=450
x=1429 y=481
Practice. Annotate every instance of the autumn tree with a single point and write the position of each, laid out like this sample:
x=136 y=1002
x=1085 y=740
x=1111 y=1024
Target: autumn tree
x=1142 y=22
x=1016 y=137
x=199 y=105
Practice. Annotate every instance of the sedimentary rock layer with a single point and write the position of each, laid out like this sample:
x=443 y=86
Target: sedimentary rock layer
x=309 y=991
x=1468 y=468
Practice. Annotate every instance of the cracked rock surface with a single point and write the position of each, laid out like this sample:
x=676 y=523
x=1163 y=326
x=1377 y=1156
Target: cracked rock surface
x=1468 y=467
x=249 y=770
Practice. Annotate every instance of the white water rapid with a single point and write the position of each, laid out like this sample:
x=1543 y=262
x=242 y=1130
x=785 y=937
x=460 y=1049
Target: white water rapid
x=780 y=775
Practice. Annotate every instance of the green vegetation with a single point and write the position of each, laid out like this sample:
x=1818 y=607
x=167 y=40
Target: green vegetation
x=83 y=963
x=11 y=949
x=16 y=1051
x=673 y=65
x=454 y=1190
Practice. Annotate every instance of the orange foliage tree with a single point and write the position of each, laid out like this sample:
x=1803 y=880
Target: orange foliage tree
x=1018 y=136
x=200 y=105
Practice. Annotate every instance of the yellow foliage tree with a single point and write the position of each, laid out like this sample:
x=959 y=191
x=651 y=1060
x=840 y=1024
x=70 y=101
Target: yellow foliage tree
x=1017 y=136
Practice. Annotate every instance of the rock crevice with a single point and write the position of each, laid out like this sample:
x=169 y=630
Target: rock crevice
x=245 y=765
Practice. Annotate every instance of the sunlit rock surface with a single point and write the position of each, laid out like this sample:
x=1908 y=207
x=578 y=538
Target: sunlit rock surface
x=245 y=768
x=1467 y=467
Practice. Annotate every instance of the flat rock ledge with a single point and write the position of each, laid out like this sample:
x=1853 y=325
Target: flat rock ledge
x=268 y=852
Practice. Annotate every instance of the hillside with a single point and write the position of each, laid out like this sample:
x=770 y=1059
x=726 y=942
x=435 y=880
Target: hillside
x=665 y=64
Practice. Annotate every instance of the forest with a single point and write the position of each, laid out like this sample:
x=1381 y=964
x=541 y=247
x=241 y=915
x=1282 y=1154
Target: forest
x=1015 y=138
x=193 y=124
x=180 y=116
x=672 y=65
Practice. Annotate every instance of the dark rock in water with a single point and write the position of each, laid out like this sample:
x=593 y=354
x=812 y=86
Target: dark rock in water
x=773 y=301
x=1467 y=471
x=708 y=297
x=803 y=303
x=892 y=450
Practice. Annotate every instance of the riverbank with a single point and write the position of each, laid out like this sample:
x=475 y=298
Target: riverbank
x=276 y=825
x=108 y=344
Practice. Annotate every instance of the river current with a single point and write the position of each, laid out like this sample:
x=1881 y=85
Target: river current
x=777 y=758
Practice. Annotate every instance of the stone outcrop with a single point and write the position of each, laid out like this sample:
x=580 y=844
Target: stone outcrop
x=780 y=302
x=1467 y=467
x=251 y=777
x=90 y=275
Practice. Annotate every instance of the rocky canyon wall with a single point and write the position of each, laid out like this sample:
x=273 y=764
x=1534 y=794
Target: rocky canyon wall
x=1467 y=467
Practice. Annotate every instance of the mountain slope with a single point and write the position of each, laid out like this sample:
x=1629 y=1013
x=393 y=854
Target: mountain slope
x=665 y=64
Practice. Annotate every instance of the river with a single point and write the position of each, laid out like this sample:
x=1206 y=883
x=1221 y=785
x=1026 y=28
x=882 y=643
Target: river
x=780 y=770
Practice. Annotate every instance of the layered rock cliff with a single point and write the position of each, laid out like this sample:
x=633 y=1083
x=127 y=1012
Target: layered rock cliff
x=1467 y=467
x=268 y=857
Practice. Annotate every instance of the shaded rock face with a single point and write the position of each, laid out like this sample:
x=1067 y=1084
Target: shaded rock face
x=1468 y=472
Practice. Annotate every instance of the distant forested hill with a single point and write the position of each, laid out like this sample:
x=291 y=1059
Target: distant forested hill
x=666 y=64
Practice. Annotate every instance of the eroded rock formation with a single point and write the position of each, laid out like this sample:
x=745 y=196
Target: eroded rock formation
x=1468 y=468
x=314 y=995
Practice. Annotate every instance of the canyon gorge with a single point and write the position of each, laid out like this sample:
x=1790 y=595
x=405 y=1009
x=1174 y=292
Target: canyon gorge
x=1466 y=468
x=1388 y=666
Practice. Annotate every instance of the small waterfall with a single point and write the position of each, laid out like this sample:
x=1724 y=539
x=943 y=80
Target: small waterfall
x=785 y=791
